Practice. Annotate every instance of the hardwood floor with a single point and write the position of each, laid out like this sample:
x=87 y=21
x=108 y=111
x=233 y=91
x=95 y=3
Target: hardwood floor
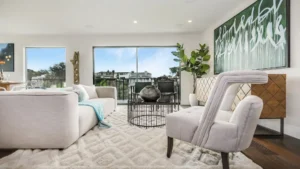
x=4 y=153
x=274 y=153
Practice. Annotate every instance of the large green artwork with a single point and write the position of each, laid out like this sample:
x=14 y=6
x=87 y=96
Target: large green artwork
x=256 y=38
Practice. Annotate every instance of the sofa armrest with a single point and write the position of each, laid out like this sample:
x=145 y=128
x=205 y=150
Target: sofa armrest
x=107 y=92
x=38 y=119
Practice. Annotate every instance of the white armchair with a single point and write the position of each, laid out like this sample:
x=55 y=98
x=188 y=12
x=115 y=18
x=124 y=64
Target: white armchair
x=209 y=128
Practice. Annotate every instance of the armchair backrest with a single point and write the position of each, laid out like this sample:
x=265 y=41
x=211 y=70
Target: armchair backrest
x=213 y=103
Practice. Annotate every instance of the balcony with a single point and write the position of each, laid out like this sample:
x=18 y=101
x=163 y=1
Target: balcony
x=124 y=86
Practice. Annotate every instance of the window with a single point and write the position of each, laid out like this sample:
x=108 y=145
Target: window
x=46 y=67
x=123 y=66
x=156 y=60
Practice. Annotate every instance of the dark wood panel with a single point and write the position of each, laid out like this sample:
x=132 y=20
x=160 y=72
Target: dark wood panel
x=274 y=153
x=273 y=95
x=4 y=153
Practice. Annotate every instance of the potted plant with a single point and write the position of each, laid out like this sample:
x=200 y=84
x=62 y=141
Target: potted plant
x=196 y=64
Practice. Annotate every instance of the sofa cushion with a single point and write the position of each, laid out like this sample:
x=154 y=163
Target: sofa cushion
x=87 y=119
x=91 y=90
x=108 y=105
x=87 y=116
x=67 y=89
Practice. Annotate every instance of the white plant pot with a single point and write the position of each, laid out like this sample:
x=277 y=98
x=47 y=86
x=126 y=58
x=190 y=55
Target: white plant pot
x=193 y=100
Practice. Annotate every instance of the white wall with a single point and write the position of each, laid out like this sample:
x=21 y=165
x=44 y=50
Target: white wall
x=292 y=122
x=84 y=44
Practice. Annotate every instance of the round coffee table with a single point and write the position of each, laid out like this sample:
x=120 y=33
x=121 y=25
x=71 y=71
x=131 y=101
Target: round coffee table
x=149 y=114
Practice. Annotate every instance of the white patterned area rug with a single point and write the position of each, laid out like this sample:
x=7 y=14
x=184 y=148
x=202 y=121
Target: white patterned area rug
x=123 y=146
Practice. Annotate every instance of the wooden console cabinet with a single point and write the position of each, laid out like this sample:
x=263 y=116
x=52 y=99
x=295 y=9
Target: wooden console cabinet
x=273 y=95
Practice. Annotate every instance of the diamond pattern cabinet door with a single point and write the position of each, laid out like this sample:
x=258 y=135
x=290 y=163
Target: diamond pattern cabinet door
x=273 y=95
x=244 y=91
x=203 y=88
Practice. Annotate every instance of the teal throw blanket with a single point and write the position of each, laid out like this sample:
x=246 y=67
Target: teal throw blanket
x=98 y=108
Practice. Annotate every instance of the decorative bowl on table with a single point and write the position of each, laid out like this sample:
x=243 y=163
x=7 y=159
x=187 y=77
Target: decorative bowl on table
x=150 y=93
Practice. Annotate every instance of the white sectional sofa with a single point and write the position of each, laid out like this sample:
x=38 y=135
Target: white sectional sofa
x=48 y=119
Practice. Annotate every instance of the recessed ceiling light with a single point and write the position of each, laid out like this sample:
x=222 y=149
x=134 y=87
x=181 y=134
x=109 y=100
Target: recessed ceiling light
x=135 y=21
x=190 y=21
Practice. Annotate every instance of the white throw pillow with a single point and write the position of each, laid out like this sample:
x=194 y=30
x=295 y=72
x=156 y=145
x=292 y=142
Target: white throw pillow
x=83 y=95
x=91 y=90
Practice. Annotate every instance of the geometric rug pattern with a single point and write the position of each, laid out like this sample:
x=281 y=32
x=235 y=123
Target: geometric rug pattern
x=123 y=146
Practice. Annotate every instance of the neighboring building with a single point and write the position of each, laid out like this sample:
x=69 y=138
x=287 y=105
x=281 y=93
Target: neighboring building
x=140 y=75
x=42 y=82
x=37 y=81
x=126 y=75
x=39 y=77
x=104 y=74
x=122 y=75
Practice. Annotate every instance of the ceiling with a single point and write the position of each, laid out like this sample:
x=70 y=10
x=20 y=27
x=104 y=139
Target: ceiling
x=109 y=16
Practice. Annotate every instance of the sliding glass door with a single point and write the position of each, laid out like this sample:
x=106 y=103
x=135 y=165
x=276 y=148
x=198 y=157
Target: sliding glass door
x=156 y=60
x=124 y=66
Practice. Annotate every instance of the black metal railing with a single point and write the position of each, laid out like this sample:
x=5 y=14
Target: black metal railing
x=46 y=83
x=124 y=85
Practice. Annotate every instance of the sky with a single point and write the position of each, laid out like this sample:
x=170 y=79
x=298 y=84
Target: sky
x=156 y=60
x=43 y=58
x=3 y=45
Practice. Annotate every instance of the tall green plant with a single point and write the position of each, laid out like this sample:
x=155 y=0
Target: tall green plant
x=196 y=63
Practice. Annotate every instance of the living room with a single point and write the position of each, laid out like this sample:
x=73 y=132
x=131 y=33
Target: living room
x=88 y=26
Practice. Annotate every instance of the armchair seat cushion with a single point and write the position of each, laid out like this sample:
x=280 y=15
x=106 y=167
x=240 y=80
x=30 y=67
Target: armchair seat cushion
x=182 y=124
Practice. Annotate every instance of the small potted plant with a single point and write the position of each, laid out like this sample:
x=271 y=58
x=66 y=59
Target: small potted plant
x=196 y=64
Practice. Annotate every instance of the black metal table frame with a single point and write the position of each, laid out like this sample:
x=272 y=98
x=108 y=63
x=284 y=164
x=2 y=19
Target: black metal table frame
x=154 y=111
x=280 y=133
